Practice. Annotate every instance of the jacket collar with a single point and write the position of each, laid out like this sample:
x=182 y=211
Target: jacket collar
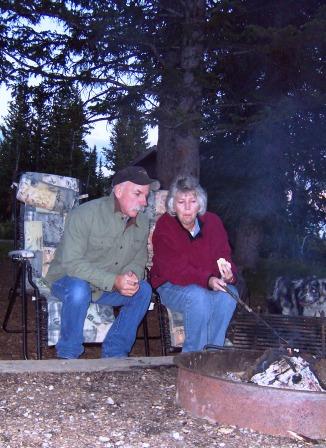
x=200 y=224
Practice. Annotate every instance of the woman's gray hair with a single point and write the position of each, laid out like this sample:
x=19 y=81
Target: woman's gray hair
x=185 y=184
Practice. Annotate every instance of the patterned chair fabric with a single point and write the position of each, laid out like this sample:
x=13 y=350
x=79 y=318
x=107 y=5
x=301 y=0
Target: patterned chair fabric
x=47 y=200
x=176 y=328
x=155 y=209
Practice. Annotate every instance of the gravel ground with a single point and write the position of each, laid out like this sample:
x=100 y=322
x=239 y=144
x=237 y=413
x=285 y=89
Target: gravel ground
x=105 y=409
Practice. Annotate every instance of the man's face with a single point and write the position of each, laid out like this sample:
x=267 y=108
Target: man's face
x=186 y=207
x=132 y=198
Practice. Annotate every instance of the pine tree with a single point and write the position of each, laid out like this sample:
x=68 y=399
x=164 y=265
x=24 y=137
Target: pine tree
x=102 y=181
x=65 y=147
x=91 y=184
x=15 y=149
x=39 y=125
x=128 y=140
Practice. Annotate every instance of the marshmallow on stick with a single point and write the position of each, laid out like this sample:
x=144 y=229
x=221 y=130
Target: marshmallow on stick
x=224 y=267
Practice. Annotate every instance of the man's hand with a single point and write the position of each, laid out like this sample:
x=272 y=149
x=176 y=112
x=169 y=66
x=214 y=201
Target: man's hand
x=216 y=284
x=127 y=284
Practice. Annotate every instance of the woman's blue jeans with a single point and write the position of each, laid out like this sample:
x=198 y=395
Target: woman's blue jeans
x=206 y=313
x=76 y=295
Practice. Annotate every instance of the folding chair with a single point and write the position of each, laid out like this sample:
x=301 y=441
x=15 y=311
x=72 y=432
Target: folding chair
x=45 y=200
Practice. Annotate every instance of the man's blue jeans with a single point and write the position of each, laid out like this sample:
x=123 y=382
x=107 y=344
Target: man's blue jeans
x=75 y=295
x=206 y=313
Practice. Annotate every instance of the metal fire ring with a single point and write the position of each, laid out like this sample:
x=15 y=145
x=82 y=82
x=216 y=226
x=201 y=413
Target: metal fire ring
x=202 y=390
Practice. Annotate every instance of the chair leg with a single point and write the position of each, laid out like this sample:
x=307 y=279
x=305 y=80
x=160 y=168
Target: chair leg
x=37 y=312
x=20 y=289
x=162 y=329
x=24 y=311
x=20 y=284
x=146 y=338
x=12 y=300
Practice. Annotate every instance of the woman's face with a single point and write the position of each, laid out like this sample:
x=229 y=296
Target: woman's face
x=186 y=207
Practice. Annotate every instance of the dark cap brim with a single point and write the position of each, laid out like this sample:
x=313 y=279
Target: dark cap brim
x=136 y=175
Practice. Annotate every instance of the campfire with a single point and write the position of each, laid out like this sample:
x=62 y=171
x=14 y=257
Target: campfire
x=283 y=368
x=228 y=386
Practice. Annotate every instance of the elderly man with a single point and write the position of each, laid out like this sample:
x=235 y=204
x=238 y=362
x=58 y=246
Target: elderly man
x=101 y=257
x=192 y=264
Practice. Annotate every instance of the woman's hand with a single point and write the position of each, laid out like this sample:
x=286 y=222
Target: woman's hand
x=216 y=284
x=225 y=270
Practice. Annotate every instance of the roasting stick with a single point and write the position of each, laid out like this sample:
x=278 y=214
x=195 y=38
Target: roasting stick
x=220 y=263
x=257 y=316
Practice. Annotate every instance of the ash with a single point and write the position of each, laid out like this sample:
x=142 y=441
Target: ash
x=234 y=376
x=291 y=373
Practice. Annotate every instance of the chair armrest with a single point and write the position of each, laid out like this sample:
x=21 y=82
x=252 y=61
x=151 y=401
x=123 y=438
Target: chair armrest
x=23 y=254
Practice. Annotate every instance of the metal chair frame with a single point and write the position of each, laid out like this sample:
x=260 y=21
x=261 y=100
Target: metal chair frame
x=24 y=272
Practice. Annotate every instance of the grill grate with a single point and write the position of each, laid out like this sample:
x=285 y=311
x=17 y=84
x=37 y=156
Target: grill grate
x=305 y=333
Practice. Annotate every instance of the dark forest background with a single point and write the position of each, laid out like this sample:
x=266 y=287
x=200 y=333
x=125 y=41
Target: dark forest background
x=236 y=88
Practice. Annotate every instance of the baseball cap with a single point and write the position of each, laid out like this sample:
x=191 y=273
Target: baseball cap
x=136 y=174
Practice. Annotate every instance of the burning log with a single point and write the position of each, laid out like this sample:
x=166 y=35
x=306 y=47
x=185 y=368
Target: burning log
x=285 y=368
x=293 y=373
x=203 y=391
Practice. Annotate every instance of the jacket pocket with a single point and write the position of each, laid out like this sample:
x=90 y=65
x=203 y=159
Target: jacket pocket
x=137 y=245
x=100 y=243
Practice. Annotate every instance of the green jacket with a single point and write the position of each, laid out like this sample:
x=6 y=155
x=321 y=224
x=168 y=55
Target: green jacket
x=97 y=245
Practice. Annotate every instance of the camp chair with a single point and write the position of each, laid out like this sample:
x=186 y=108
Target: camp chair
x=44 y=201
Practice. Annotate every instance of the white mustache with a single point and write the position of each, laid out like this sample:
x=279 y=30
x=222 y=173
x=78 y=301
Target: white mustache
x=138 y=209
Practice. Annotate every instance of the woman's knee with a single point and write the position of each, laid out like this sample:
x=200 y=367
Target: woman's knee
x=197 y=301
x=196 y=294
x=227 y=301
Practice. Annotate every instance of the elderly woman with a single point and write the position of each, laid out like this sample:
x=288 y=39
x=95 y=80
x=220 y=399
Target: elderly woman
x=192 y=263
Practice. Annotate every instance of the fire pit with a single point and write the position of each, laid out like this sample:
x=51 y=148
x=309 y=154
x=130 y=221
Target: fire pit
x=202 y=389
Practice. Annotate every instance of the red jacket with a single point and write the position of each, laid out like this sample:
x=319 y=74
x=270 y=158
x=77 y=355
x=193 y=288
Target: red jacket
x=183 y=260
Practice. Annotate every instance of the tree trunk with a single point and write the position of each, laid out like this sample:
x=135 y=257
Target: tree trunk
x=247 y=244
x=181 y=92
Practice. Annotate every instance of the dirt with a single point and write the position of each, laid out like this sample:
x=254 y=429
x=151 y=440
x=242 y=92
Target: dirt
x=104 y=409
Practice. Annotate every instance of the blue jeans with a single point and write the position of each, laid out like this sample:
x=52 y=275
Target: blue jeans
x=75 y=295
x=206 y=313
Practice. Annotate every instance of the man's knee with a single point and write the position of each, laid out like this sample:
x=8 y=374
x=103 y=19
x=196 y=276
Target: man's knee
x=143 y=295
x=145 y=289
x=78 y=291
